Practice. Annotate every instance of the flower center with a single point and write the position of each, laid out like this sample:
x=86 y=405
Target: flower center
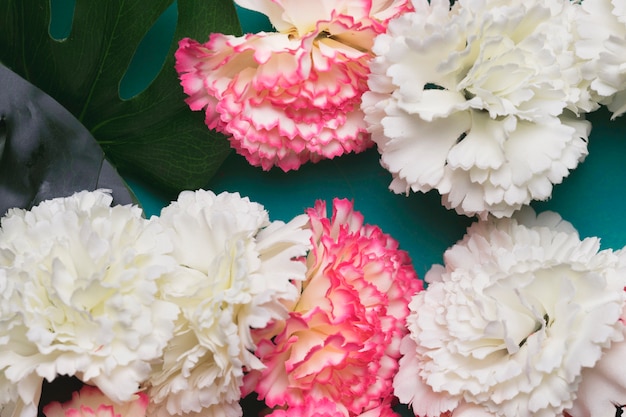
x=540 y=325
x=323 y=34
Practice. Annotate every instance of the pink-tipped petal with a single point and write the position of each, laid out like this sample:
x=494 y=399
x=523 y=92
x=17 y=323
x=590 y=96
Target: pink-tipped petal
x=293 y=96
x=341 y=342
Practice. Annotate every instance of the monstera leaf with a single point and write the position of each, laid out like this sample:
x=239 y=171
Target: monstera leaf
x=153 y=134
x=44 y=151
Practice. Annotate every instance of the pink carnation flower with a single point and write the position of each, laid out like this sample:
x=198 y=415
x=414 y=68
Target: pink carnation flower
x=292 y=96
x=340 y=344
x=91 y=402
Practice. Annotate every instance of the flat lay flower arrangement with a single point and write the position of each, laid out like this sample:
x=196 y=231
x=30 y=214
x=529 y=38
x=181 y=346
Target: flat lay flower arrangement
x=108 y=311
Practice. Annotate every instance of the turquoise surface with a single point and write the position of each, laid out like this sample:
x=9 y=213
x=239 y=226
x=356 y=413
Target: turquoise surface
x=592 y=197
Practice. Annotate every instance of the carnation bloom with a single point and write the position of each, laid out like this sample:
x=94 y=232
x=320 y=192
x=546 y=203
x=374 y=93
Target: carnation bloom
x=79 y=297
x=602 y=29
x=338 y=350
x=521 y=308
x=235 y=274
x=91 y=402
x=292 y=96
x=479 y=100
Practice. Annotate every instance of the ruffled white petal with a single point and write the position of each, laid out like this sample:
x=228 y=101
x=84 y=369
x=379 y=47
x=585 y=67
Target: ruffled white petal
x=494 y=329
x=80 y=286
x=479 y=101
x=602 y=29
x=603 y=387
x=236 y=272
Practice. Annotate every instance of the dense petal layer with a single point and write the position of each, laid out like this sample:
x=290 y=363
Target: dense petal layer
x=341 y=340
x=80 y=297
x=493 y=331
x=603 y=387
x=293 y=96
x=236 y=272
x=480 y=101
x=602 y=29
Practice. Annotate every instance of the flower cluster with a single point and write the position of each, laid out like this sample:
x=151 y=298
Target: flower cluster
x=183 y=313
x=291 y=96
x=481 y=100
x=125 y=303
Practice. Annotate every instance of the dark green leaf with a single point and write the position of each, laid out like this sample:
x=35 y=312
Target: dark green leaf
x=154 y=133
x=44 y=151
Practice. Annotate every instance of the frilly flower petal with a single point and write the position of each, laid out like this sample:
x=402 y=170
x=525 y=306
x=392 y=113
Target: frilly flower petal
x=409 y=388
x=80 y=299
x=603 y=387
x=237 y=272
x=493 y=330
x=312 y=408
x=91 y=402
x=471 y=410
x=293 y=96
x=480 y=101
x=340 y=344
x=602 y=29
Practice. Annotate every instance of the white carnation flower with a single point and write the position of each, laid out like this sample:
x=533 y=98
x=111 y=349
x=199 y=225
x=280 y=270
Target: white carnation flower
x=602 y=29
x=479 y=101
x=521 y=308
x=78 y=286
x=236 y=272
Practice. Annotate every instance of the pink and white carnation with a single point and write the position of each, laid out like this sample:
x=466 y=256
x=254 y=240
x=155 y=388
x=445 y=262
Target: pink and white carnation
x=480 y=101
x=338 y=351
x=79 y=297
x=91 y=402
x=509 y=326
x=237 y=269
x=291 y=96
x=602 y=29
